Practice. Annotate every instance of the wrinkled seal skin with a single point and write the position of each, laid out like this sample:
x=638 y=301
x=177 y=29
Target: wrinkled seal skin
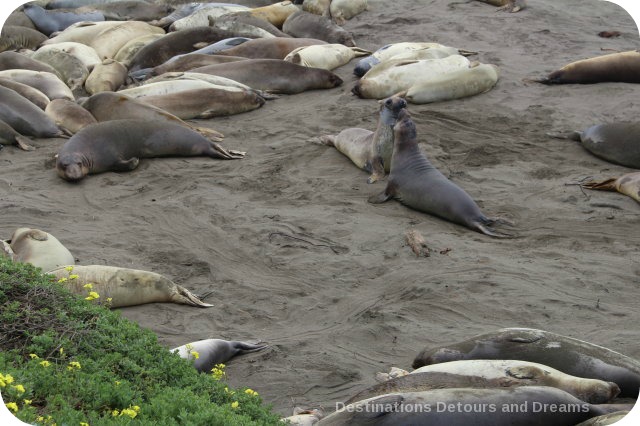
x=270 y=48
x=126 y=287
x=305 y=24
x=48 y=22
x=416 y=183
x=614 y=142
x=569 y=355
x=185 y=63
x=370 y=151
x=623 y=67
x=25 y=117
x=214 y=351
x=40 y=249
x=396 y=408
x=119 y=145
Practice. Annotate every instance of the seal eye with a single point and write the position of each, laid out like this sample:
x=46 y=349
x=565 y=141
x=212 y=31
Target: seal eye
x=403 y=104
x=388 y=102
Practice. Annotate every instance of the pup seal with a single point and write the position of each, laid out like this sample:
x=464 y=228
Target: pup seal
x=370 y=151
x=214 y=351
x=569 y=355
x=628 y=184
x=614 y=142
x=40 y=249
x=126 y=287
x=305 y=24
x=623 y=67
x=417 y=184
x=119 y=145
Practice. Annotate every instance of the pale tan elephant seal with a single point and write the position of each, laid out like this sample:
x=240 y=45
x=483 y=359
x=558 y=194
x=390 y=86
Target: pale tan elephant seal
x=125 y=287
x=40 y=249
x=69 y=116
x=343 y=10
x=214 y=351
x=275 y=13
x=325 y=56
x=107 y=76
x=628 y=184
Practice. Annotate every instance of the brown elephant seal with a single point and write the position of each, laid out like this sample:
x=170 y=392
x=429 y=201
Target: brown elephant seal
x=623 y=67
x=613 y=142
x=186 y=63
x=172 y=44
x=48 y=21
x=69 y=116
x=18 y=61
x=106 y=77
x=275 y=13
x=370 y=151
x=40 y=249
x=605 y=419
x=47 y=83
x=109 y=106
x=34 y=96
x=16 y=38
x=125 y=287
x=119 y=145
x=25 y=117
x=531 y=374
x=522 y=406
x=9 y=136
x=127 y=10
x=507 y=5
x=628 y=184
x=569 y=355
x=214 y=351
x=416 y=183
x=305 y=24
x=270 y=48
x=274 y=75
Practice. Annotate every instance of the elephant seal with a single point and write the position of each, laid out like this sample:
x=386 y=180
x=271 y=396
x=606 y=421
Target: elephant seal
x=6 y=252
x=172 y=44
x=47 y=21
x=73 y=4
x=202 y=15
x=569 y=355
x=343 y=10
x=454 y=85
x=180 y=12
x=244 y=24
x=109 y=106
x=270 y=48
x=468 y=406
x=613 y=142
x=214 y=351
x=605 y=419
x=387 y=52
x=370 y=151
x=218 y=46
x=628 y=184
x=275 y=13
x=34 y=96
x=82 y=32
x=70 y=69
x=127 y=52
x=19 y=19
x=106 y=77
x=127 y=10
x=507 y=5
x=16 y=38
x=40 y=249
x=8 y=135
x=47 y=83
x=317 y=7
x=416 y=183
x=623 y=67
x=274 y=75
x=18 y=61
x=25 y=117
x=305 y=24
x=108 y=42
x=86 y=54
x=325 y=56
x=186 y=63
x=303 y=417
x=69 y=116
x=126 y=287
x=529 y=373
x=119 y=145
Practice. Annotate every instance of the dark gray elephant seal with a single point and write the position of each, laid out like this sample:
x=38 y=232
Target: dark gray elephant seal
x=32 y=94
x=25 y=117
x=617 y=143
x=185 y=63
x=9 y=136
x=47 y=21
x=623 y=67
x=214 y=351
x=119 y=145
x=274 y=75
x=416 y=183
x=15 y=38
x=17 y=61
x=466 y=406
x=370 y=151
x=270 y=48
x=569 y=355
x=304 y=24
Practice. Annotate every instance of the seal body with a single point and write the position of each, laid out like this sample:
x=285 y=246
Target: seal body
x=214 y=351
x=40 y=249
x=191 y=61
x=8 y=135
x=86 y=54
x=32 y=95
x=119 y=145
x=325 y=56
x=621 y=67
x=317 y=7
x=126 y=287
x=571 y=356
x=270 y=48
x=47 y=83
x=416 y=183
x=71 y=69
x=343 y=10
x=305 y=24
x=613 y=142
x=370 y=151
x=244 y=24
x=132 y=47
x=69 y=115
x=48 y=22
x=25 y=117
x=15 y=38
x=628 y=184
x=107 y=76
x=388 y=51
x=18 y=61
x=275 y=13
x=200 y=16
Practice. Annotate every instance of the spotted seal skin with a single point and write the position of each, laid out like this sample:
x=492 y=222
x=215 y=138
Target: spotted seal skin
x=215 y=351
x=569 y=355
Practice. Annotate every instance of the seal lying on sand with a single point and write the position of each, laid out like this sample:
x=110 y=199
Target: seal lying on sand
x=25 y=117
x=623 y=67
x=569 y=355
x=40 y=249
x=47 y=21
x=69 y=116
x=370 y=151
x=214 y=351
x=628 y=184
x=119 y=145
x=9 y=136
x=417 y=184
x=614 y=142
x=305 y=24
x=126 y=287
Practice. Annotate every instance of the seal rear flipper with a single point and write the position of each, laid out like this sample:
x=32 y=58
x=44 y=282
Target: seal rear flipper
x=217 y=151
x=605 y=185
x=329 y=140
x=184 y=297
x=487 y=230
x=21 y=141
x=245 y=348
x=384 y=196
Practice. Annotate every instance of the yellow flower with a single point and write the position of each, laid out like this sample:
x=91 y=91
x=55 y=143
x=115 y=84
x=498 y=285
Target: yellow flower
x=88 y=286
x=128 y=412
x=115 y=413
x=12 y=406
x=8 y=379
x=84 y=424
x=109 y=299
x=251 y=392
x=136 y=408
x=74 y=276
x=40 y=419
x=235 y=404
x=195 y=354
x=45 y=363
x=62 y=280
x=61 y=351
x=92 y=295
x=220 y=366
x=27 y=401
x=69 y=268
x=117 y=383
x=34 y=356
x=189 y=346
x=19 y=388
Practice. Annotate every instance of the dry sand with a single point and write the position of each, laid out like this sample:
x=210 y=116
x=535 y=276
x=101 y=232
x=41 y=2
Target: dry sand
x=294 y=254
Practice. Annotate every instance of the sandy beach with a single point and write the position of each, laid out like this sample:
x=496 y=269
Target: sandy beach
x=294 y=255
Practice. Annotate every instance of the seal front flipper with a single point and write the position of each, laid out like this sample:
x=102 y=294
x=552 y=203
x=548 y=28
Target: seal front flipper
x=126 y=165
x=21 y=141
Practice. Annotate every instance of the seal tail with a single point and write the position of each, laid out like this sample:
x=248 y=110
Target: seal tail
x=485 y=226
x=185 y=297
x=245 y=348
x=217 y=151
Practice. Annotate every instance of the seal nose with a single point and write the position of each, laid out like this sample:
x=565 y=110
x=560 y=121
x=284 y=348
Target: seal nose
x=356 y=89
